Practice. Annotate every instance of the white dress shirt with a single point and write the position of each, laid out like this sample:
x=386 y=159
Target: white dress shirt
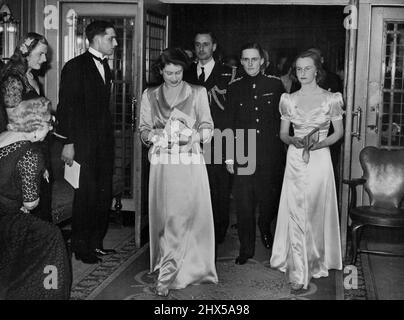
x=98 y=64
x=207 y=68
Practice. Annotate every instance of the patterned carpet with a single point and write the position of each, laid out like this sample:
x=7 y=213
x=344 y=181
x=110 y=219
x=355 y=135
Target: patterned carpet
x=364 y=288
x=86 y=286
x=125 y=276
x=252 y=281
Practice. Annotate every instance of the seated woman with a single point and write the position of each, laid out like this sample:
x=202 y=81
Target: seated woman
x=33 y=260
x=18 y=82
x=175 y=118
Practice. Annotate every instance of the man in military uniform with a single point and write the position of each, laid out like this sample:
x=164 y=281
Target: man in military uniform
x=215 y=77
x=253 y=105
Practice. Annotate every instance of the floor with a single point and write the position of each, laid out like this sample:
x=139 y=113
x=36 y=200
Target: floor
x=386 y=273
x=384 y=276
x=115 y=236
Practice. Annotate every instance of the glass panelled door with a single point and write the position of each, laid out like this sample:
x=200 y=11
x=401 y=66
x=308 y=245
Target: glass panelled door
x=392 y=113
x=383 y=112
x=122 y=64
x=385 y=108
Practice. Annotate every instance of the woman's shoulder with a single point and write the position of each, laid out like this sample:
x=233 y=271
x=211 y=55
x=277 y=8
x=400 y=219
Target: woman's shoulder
x=330 y=94
x=12 y=76
x=332 y=97
x=195 y=87
x=150 y=90
x=288 y=97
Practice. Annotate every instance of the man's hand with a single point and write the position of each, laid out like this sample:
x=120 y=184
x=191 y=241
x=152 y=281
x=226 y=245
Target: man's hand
x=68 y=154
x=230 y=166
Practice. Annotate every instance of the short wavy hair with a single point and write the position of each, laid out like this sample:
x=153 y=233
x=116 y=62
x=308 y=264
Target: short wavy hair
x=29 y=115
x=175 y=56
x=317 y=63
x=97 y=27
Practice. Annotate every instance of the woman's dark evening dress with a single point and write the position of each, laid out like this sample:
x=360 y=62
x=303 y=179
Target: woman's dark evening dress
x=33 y=258
x=14 y=88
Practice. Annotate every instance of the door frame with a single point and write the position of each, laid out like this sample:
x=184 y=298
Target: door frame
x=362 y=78
x=52 y=78
x=349 y=85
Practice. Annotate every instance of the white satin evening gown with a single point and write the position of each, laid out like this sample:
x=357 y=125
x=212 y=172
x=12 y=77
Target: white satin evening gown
x=182 y=240
x=307 y=236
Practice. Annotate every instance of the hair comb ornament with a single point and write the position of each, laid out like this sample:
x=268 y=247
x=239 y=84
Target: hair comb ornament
x=25 y=45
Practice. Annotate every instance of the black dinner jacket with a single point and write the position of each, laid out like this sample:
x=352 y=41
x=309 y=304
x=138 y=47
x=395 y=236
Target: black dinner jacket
x=83 y=111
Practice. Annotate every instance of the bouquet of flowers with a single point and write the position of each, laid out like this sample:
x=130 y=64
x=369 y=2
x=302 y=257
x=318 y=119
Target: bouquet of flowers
x=176 y=132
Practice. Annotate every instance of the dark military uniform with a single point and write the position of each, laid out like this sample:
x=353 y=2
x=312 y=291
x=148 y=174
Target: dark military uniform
x=219 y=179
x=253 y=103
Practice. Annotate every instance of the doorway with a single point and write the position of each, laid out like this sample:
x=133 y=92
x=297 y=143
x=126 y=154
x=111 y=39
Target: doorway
x=124 y=83
x=382 y=123
x=280 y=29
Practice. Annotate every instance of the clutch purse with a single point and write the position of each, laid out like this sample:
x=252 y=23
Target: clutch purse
x=309 y=140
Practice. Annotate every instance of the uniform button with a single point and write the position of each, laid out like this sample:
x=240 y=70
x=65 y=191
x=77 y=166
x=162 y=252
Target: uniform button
x=255 y=97
x=254 y=85
x=256 y=108
x=269 y=102
x=241 y=104
x=258 y=131
x=258 y=120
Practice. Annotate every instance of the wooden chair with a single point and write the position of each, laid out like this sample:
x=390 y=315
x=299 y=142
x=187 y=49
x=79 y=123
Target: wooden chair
x=383 y=180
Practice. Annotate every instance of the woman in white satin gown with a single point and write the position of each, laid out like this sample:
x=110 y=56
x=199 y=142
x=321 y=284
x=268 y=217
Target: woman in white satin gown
x=182 y=241
x=307 y=236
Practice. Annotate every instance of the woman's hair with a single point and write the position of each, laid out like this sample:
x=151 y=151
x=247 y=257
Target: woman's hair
x=29 y=115
x=25 y=46
x=175 y=56
x=287 y=65
x=317 y=63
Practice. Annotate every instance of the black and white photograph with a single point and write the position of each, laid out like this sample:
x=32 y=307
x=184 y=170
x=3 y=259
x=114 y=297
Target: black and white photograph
x=205 y=156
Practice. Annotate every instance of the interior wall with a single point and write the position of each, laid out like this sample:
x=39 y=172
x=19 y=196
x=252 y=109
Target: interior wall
x=279 y=29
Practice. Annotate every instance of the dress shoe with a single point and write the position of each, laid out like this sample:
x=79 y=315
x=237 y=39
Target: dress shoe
x=266 y=240
x=162 y=292
x=241 y=260
x=89 y=258
x=296 y=288
x=104 y=252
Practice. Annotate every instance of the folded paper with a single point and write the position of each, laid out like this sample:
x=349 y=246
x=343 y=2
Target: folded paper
x=72 y=174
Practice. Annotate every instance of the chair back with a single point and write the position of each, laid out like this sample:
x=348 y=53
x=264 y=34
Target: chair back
x=384 y=173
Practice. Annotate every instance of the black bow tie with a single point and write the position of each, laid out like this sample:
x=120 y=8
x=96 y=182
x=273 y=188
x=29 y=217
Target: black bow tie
x=103 y=61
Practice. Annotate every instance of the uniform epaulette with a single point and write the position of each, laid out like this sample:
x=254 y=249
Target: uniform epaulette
x=235 y=80
x=271 y=76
